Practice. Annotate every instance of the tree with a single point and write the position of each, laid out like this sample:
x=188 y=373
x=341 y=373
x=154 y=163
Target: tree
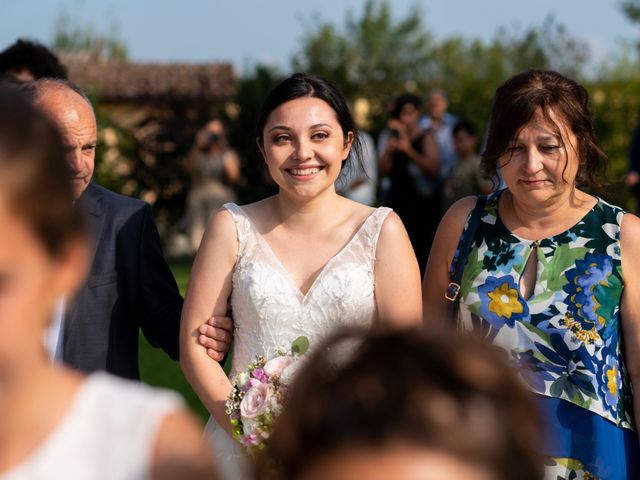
x=70 y=35
x=376 y=57
x=631 y=8
x=372 y=56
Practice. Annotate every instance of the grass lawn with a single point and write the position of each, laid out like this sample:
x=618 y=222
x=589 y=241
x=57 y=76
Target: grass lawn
x=156 y=368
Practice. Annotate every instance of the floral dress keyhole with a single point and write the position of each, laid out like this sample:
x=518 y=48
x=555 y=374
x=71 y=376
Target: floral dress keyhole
x=528 y=279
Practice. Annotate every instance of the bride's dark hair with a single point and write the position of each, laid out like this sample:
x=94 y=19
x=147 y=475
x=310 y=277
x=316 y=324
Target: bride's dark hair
x=300 y=85
x=443 y=393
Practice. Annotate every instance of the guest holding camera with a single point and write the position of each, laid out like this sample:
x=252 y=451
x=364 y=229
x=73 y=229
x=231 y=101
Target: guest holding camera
x=214 y=168
x=409 y=157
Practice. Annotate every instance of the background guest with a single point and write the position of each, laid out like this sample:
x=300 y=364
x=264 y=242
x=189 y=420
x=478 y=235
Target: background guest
x=410 y=159
x=632 y=178
x=467 y=178
x=28 y=60
x=359 y=182
x=214 y=168
x=440 y=122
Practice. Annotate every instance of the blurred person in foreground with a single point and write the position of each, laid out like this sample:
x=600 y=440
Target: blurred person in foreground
x=405 y=406
x=215 y=169
x=27 y=60
x=409 y=157
x=467 y=177
x=130 y=285
x=552 y=276
x=54 y=422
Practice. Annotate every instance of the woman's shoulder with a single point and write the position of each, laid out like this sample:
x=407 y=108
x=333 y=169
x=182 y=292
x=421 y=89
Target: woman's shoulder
x=457 y=214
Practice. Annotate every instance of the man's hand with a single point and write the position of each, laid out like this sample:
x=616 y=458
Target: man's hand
x=216 y=336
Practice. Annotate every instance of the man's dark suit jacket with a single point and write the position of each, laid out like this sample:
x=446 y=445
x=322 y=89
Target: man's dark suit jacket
x=130 y=286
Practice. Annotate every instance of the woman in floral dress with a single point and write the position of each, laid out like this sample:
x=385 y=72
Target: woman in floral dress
x=553 y=276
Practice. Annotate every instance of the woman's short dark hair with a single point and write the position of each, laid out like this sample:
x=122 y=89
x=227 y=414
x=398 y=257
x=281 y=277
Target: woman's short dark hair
x=300 y=85
x=402 y=100
x=449 y=394
x=34 y=175
x=464 y=125
x=32 y=56
x=534 y=92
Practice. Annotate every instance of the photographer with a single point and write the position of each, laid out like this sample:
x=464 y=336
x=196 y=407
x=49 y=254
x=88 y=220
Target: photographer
x=410 y=160
x=215 y=169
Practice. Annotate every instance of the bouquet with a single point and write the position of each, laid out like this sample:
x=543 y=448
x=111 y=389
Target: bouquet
x=258 y=395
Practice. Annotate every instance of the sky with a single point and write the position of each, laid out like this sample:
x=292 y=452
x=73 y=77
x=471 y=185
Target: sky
x=245 y=32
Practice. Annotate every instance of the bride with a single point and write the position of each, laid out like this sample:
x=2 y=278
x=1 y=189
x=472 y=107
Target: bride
x=303 y=262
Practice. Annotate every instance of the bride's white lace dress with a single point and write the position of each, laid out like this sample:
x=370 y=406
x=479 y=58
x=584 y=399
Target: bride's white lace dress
x=270 y=311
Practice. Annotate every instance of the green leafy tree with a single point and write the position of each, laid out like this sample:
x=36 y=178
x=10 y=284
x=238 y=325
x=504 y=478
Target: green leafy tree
x=372 y=56
x=376 y=56
x=70 y=34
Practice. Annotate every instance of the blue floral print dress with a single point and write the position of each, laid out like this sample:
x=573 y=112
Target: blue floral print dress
x=565 y=340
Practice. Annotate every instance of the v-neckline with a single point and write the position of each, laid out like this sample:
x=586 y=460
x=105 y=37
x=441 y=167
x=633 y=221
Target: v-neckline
x=289 y=278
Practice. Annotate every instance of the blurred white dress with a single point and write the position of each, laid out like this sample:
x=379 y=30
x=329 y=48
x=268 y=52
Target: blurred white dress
x=270 y=311
x=107 y=433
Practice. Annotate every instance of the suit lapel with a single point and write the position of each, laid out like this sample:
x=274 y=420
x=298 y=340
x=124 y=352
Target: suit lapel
x=92 y=203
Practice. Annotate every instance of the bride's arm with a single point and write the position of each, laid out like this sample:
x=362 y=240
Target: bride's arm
x=397 y=276
x=207 y=294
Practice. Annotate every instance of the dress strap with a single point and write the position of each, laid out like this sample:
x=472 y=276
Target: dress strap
x=373 y=227
x=243 y=224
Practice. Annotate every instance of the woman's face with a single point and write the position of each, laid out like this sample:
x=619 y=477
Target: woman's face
x=31 y=281
x=304 y=146
x=409 y=115
x=540 y=166
x=400 y=462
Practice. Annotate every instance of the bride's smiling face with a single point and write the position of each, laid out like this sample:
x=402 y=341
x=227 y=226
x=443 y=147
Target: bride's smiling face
x=304 y=146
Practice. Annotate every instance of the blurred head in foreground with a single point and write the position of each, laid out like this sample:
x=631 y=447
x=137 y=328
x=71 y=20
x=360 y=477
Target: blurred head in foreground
x=42 y=249
x=405 y=406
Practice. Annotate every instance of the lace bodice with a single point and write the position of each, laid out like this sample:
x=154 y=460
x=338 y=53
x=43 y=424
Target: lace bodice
x=270 y=311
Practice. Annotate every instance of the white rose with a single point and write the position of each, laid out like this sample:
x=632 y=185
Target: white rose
x=277 y=365
x=242 y=379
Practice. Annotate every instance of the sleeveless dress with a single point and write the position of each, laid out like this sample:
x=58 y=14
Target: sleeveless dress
x=270 y=311
x=565 y=340
x=107 y=433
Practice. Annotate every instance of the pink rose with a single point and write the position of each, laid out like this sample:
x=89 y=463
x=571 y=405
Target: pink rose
x=260 y=374
x=277 y=365
x=255 y=401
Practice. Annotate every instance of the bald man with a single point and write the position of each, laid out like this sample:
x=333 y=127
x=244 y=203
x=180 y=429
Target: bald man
x=130 y=285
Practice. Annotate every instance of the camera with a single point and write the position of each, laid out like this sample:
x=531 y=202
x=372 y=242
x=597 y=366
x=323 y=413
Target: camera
x=394 y=133
x=211 y=139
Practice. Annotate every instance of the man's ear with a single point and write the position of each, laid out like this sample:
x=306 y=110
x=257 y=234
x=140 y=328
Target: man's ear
x=348 y=143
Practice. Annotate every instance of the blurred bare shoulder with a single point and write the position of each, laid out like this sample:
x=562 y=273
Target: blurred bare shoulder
x=180 y=451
